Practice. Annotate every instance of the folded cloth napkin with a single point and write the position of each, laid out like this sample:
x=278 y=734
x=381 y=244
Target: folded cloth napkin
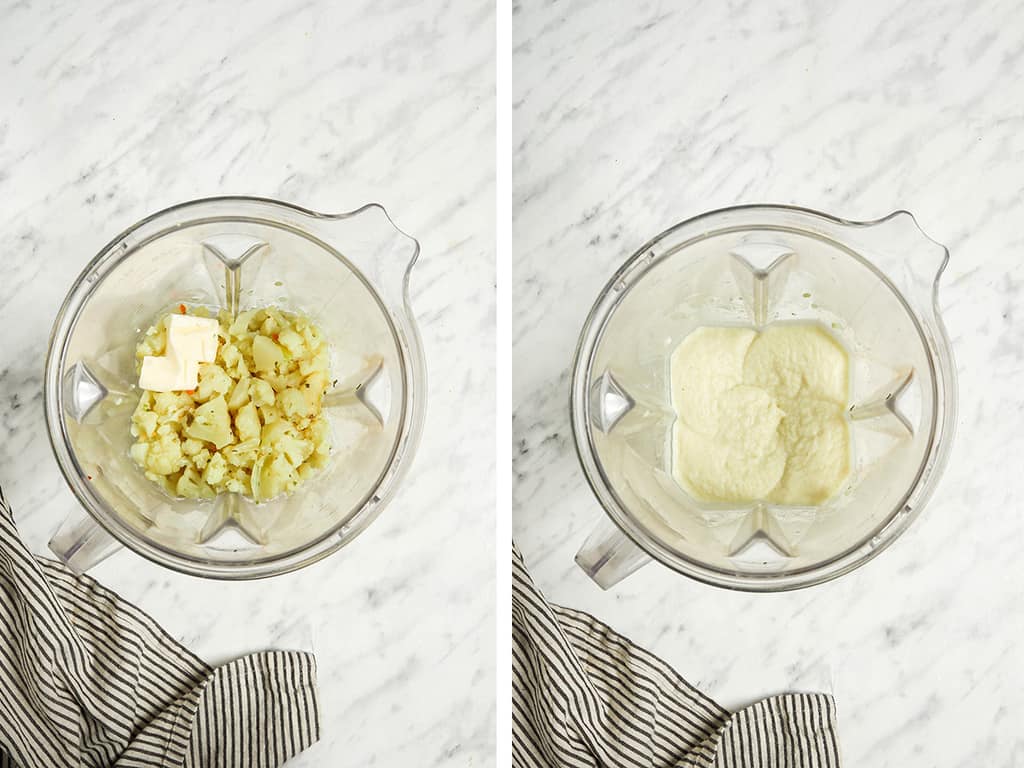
x=88 y=680
x=585 y=696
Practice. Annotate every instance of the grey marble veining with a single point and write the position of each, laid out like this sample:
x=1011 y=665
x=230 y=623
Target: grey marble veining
x=627 y=119
x=111 y=111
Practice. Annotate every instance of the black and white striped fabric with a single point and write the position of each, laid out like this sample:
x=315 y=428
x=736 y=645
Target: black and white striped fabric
x=585 y=697
x=87 y=680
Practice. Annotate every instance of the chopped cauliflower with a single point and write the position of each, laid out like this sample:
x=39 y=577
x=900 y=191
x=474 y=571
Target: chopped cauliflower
x=254 y=424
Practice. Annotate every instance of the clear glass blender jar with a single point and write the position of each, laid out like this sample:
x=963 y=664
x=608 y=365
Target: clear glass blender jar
x=348 y=272
x=872 y=284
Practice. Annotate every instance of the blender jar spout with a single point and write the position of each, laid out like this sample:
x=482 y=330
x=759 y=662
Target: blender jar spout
x=901 y=247
x=372 y=242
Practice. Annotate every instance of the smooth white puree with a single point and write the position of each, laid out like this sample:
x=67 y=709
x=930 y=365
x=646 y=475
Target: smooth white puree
x=761 y=415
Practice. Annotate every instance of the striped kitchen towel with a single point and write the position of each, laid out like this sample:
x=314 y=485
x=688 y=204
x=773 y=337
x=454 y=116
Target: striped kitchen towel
x=88 y=680
x=585 y=697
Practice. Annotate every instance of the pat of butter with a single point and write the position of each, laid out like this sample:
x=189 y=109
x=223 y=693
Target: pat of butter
x=190 y=341
x=168 y=374
x=193 y=338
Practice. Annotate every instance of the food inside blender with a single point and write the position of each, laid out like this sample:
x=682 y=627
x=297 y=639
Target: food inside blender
x=761 y=415
x=190 y=341
x=241 y=406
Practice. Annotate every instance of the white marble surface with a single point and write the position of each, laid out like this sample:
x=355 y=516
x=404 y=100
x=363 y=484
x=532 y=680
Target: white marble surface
x=627 y=121
x=110 y=111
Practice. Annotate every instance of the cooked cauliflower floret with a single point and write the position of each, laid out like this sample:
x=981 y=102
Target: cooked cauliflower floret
x=164 y=456
x=247 y=422
x=212 y=423
x=213 y=381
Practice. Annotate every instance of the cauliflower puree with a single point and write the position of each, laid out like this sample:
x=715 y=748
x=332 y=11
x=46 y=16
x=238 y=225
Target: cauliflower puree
x=761 y=415
x=254 y=422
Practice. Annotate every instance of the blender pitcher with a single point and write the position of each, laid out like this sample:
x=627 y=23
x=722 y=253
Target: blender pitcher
x=349 y=273
x=873 y=285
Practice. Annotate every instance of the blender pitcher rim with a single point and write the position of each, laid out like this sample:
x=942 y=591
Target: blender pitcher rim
x=942 y=371
x=783 y=207
x=405 y=332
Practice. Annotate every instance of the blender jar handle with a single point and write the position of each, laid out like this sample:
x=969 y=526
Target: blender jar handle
x=608 y=555
x=81 y=543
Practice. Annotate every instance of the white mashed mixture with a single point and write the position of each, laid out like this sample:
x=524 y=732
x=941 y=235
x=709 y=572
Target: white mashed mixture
x=761 y=415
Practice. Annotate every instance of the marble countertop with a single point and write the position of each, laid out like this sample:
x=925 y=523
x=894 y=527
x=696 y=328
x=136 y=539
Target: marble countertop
x=109 y=112
x=625 y=122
